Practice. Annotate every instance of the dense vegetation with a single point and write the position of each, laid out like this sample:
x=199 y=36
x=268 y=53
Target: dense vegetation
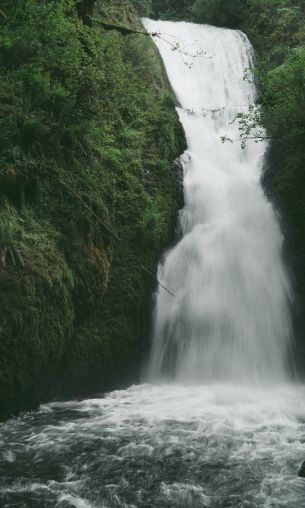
x=88 y=195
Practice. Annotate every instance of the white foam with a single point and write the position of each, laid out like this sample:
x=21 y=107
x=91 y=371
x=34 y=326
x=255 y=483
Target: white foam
x=230 y=319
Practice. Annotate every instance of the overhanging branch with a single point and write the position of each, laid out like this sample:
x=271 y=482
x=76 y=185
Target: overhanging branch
x=122 y=29
x=128 y=31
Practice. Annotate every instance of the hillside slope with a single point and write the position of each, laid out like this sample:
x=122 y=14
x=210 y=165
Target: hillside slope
x=88 y=197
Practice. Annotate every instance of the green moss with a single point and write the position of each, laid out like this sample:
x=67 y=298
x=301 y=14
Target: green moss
x=88 y=136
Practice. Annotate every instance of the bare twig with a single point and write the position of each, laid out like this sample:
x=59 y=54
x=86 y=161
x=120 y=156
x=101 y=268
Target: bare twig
x=127 y=31
x=162 y=286
x=3 y=14
x=176 y=46
x=257 y=138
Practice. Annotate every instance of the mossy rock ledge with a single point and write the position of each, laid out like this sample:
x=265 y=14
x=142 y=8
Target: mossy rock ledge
x=89 y=193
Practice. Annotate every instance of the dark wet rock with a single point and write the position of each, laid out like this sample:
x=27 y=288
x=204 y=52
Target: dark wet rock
x=301 y=472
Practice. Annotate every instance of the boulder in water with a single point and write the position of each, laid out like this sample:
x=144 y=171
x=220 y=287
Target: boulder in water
x=301 y=472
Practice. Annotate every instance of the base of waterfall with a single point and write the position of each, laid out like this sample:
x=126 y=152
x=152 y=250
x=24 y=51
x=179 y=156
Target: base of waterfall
x=159 y=446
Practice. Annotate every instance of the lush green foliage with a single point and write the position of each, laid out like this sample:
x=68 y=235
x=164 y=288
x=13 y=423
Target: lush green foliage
x=218 y=12
x=283 y=98
x=169 y=9
x=88 y=133
x=143 y=7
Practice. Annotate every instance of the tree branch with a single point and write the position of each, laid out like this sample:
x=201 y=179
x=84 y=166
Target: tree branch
x=127 y=31
x=3 y=14
x=122 y=29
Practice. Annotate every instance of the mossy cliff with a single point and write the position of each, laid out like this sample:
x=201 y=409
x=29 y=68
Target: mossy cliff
x=88 y=195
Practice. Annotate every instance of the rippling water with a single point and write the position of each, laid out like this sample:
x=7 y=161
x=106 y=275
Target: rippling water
x=159 y=446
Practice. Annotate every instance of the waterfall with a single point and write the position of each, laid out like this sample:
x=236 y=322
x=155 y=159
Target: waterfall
x=205 y=440
x=230 y=318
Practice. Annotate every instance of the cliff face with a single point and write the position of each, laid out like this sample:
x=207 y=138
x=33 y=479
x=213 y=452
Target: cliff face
x=88 y=196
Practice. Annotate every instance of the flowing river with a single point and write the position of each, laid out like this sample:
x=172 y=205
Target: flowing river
x=218 y=420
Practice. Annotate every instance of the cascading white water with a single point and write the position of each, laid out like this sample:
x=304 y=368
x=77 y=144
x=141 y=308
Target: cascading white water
x=197 y=445
x=230 y=317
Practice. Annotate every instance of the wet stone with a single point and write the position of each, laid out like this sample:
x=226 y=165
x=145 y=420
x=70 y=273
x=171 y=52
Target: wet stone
x=301 y=472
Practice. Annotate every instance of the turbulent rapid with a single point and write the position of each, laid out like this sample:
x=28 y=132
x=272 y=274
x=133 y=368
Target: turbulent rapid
x=218 y=421
x=159 y=447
